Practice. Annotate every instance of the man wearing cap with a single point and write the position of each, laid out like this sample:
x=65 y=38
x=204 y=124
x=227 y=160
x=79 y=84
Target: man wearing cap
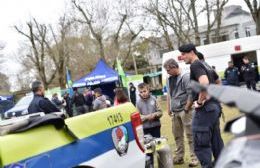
x=205 y=122
x=179 y=102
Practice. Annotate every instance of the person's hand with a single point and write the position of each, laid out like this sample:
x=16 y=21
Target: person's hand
x=151 y=117
x=198 y=104
x=169 y=113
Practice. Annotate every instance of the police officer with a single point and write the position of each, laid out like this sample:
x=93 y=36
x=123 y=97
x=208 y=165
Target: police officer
x=249 y=74
x=231 y=74
x=205 y=122
x=39 y=102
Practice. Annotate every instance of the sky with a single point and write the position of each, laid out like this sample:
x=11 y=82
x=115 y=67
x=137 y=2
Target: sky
x=17 y=12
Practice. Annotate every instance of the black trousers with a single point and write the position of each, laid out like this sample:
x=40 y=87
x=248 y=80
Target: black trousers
x=251 y=84
x=206 y=133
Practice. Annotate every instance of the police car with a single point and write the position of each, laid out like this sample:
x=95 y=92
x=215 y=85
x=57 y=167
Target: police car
x=108 y=138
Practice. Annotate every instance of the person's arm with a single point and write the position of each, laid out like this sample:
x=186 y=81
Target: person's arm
x=95 y=104
x=225 y=74
x=144 y=118
x=168 y=97
x=187 y=84
x=48 y=106
x=158 y=112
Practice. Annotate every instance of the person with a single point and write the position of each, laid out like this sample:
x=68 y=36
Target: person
x=89 y=97
x=132 y=91
x=179 y=102
x=150 y=112
x=79 y=101
x=205 y=123
x=249 y=74
x=120 y=97
x=68 y=106
x=39 y=102
x=231 y=74
x=202 y=59
x=55 y=100
x=100 y=100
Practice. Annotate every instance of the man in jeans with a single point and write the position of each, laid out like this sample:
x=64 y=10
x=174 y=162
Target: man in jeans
x=179 y=101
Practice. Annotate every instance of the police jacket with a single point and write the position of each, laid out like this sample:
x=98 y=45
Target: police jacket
x=231 y=75
x=248 y=71
x=41 y=104
x=78 y=99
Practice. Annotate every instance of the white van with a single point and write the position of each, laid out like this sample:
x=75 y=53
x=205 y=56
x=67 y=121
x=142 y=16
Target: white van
x=218 y=54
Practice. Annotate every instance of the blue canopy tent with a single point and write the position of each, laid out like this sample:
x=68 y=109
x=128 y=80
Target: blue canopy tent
x=102 y=76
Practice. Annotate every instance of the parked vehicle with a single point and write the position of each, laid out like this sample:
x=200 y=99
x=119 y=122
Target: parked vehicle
x=111 y=138
x=20 y=108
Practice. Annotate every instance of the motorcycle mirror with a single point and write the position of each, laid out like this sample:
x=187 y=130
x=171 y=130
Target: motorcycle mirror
x=238 y=126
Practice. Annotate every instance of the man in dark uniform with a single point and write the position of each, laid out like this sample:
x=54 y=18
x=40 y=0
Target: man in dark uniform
x=205 y=122
x=39 y=102
x=231 y=74
x=249 y=74
x=79 y=101
x=132 y=91
x=68 y=106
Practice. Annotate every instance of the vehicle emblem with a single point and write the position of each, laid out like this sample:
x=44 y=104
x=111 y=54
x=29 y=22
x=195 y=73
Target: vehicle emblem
x=120 y=139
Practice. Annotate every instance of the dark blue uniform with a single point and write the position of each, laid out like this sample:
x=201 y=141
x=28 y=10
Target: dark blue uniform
x=231 y=75
x=205 y=123
x=41 y=104
x=249 y=74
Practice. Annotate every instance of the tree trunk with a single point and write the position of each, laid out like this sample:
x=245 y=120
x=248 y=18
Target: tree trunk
x=101 y=49
x=134 y=61
x=196 y=27
x=257 y=22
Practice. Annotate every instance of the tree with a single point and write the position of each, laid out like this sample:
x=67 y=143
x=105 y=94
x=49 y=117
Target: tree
x=59 y=52
x=217 y=6
x=254 y=7
x=37 y=34
x=4 y=84
x=96 y=18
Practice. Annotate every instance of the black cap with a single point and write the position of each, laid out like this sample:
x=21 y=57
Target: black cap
x=187 y=48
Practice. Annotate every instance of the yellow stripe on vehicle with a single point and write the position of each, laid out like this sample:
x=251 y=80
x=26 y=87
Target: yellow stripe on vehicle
x=16 y=147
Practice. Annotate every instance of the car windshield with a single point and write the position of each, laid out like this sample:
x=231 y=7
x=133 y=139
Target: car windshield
x=24 y=101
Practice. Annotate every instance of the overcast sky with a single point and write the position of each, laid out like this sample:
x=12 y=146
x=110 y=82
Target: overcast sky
x=17 y=12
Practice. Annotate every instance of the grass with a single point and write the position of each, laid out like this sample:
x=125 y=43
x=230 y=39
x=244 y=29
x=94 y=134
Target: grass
x=166 y=130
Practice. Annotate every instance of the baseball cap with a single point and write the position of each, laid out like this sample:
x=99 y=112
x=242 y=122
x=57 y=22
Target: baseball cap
x=187 y=48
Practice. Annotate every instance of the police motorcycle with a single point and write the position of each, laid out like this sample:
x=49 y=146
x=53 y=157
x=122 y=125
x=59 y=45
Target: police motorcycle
x=244 y=150
x=112 y=135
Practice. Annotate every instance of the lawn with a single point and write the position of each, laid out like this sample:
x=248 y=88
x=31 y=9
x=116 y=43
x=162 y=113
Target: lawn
x=166 y=130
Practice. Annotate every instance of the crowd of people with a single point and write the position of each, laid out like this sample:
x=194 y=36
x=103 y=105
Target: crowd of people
x=248 y=72
x=195 y=115
x=79 y=103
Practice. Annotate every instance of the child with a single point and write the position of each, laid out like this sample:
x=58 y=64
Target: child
x=149 y=110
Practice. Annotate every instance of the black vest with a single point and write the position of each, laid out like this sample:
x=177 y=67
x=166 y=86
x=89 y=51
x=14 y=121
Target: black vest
x=34 y=106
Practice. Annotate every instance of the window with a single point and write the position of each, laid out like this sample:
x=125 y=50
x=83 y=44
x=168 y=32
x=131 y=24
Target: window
x=248 y=34
x=205 y=41
x=236 y=34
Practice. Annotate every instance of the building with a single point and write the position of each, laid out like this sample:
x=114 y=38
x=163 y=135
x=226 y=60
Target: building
x=236 y=23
